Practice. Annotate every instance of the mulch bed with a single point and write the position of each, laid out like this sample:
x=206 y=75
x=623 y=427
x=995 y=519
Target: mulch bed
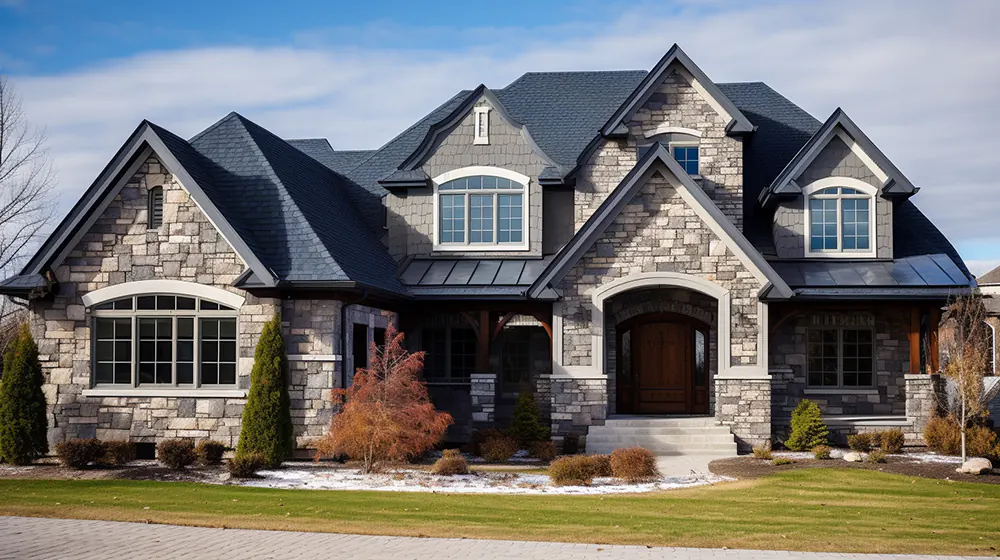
x=751 y=467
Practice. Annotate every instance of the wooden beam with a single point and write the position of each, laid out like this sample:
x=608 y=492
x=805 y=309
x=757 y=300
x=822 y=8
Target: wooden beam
x=934 y=351
x=483 y=347
x=914 y=336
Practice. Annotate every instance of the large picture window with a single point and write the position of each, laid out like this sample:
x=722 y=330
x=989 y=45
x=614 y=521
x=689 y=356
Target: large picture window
x=842 y=358
x=450 y=354
x=840 y=221
x=164 y=341
x=481 y=211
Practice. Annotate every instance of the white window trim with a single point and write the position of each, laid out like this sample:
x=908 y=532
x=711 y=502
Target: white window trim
x=846 y=182
x=481 y=114
x=468 y=247
x=664 y=128
x=163 y=287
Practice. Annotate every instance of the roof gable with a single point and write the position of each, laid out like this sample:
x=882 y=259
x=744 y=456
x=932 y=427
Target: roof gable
x=658 y=160
x=617 y=124
x=839 y=126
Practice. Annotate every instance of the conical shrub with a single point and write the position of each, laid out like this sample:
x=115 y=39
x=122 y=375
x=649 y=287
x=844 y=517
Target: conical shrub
x=525 y=426
x=23 y=424
x=267 y=423
x=808 y=429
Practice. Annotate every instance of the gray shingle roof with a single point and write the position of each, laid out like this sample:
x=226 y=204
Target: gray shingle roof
x=338 y=160
x=991 y=277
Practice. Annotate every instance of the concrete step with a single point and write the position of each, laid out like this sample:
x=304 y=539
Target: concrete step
x=670 y=430
x=646 y=422
x=667 y=436
x=658 y=448
x=671 y=439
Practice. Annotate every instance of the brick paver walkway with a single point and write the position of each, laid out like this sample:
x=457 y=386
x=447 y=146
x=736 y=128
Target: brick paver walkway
x=26 y=538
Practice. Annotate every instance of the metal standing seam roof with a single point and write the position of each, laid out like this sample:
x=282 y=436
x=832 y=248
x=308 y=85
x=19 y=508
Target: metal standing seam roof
x=473 y=272
x=923 y=271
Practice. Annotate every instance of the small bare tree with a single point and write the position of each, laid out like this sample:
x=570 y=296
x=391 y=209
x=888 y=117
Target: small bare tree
x=26 y=185
x=967 y=363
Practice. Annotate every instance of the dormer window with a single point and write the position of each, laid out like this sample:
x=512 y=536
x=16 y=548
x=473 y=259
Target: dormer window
x=154 y=210
x=840 y=220
x=687 y=156
x=482 y=125
x=481 y=209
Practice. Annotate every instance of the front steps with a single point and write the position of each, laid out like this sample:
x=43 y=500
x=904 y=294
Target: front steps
x=663 y=436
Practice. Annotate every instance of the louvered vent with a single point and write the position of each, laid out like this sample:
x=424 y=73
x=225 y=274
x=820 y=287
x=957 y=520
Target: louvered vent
x=155 y=207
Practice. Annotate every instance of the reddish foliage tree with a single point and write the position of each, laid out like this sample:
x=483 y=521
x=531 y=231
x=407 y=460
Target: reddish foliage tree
x=387 y=414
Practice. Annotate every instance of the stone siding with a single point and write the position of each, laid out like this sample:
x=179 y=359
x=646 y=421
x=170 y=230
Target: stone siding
x=578 y=404
x=411 y=227
x=483 y=394
x=120 y=248
x=789 y=371
x=745 y=406
x=374 y=318
x=311 y=329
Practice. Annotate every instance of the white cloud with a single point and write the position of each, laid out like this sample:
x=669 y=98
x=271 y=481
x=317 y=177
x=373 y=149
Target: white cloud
x=921 y=81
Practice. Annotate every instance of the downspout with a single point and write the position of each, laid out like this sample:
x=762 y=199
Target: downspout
x=343 y=337
x=993 y=345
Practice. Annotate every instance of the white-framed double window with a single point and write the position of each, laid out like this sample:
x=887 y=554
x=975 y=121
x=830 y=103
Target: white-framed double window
x=164 y=340
x=840 y=218
x=481 y=209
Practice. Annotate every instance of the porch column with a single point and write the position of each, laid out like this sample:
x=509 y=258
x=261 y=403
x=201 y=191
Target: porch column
x=483 y=391
x=923 y=398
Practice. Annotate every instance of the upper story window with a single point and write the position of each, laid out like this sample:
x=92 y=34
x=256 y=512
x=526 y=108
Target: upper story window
x=840 y=220
x=155 y=207
x=164 y=340
x=687 y=156
x=481 y=121
x=481 y=211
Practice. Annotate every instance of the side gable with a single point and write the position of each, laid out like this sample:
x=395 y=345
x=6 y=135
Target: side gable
x=676 y=59
x=658 y=160
x=145 y=141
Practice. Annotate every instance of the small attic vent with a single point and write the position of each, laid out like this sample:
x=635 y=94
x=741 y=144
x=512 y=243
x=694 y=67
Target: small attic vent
x=155 y=208
x=482 y=125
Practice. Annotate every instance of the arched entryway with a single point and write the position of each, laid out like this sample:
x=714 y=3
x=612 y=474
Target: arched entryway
x=662 y=364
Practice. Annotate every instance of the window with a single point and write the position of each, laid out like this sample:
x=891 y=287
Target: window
x=359 y=350
x=164 y=340
x=481 y=210
x=839 y=221
x=450 y=354
x=843 y=358
x=687 y=156
x=155 y=207
x=481 y=120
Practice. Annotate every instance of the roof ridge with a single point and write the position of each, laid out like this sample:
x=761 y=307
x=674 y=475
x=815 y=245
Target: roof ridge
x=212 y=127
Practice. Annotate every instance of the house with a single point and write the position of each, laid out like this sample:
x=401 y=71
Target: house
x=635 y=248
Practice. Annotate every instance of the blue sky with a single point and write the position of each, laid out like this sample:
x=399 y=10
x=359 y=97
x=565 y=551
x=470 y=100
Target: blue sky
x=921 y=81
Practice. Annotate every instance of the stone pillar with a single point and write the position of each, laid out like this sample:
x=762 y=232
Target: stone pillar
x=923 y=401
x=578 y=403
x=745 y=406
x=483 y=392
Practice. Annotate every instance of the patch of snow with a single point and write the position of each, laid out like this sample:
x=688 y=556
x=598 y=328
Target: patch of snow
x=931 y=457
x=793 y=454
x=476 y=483
x=10 y=469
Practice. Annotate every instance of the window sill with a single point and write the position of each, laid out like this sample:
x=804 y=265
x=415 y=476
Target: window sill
x=480 y=248
x=836 y=391
x=165 y=392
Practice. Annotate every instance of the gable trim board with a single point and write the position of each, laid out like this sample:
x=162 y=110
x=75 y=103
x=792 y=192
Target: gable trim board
x=141 y=144
x=738 y=123
x=841 y=126
x=654 y=161
x=445 y=125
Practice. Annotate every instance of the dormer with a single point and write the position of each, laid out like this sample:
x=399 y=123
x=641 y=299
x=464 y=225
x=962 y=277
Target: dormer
x=835 y=198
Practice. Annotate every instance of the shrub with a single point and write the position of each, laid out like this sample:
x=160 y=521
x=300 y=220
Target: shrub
x=808 y=429
x=981 y=441
x=601 y=465
x=452 y=462
x=571 y=444
x=891 y=441
x=498 y=449
x=762 y=452
x=942 y=434
x=863 y=442
x=267 y=423
x=246 y=465
x=210 y=452
x=821 y=452
x=479 y=437
x=117 y=453
x=573 y=470
x=544 y=450
x=633 y=464
x=78 y=453
x=876 y=456
x=23 y=424
x=387 y=414
x=778 y=461
x=176 y=453
x=525 y=427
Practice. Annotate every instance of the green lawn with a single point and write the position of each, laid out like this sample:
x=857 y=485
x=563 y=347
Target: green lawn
x=807 y=509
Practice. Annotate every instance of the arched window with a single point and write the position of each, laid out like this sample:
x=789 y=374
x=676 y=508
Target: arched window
x=840 y=220
x=155 y=207
x=481 y=212
x=164 y=340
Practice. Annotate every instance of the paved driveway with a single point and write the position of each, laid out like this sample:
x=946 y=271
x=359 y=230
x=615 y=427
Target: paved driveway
x=26 y=538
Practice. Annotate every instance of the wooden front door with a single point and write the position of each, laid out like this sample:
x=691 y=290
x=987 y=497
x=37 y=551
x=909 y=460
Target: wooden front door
x=662 y=367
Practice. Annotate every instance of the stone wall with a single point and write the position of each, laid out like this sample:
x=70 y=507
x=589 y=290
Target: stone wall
x=411 y=227
x=789 y=369
x=578 y=404
x=745 y=406
x=121 y=248
x=312 y=342
x=483 y=394
x=373 y=318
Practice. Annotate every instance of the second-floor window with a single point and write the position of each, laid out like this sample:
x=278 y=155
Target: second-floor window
x=481 y=211
x=687 y=156
x=840 y=221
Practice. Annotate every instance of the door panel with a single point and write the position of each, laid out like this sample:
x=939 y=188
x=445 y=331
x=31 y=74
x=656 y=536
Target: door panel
x=658 y=377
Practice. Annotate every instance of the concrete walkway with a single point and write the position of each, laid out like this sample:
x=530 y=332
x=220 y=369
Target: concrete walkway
x=25 y=538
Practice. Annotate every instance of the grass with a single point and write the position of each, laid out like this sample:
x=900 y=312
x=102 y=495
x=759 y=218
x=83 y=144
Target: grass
x=808 y=509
